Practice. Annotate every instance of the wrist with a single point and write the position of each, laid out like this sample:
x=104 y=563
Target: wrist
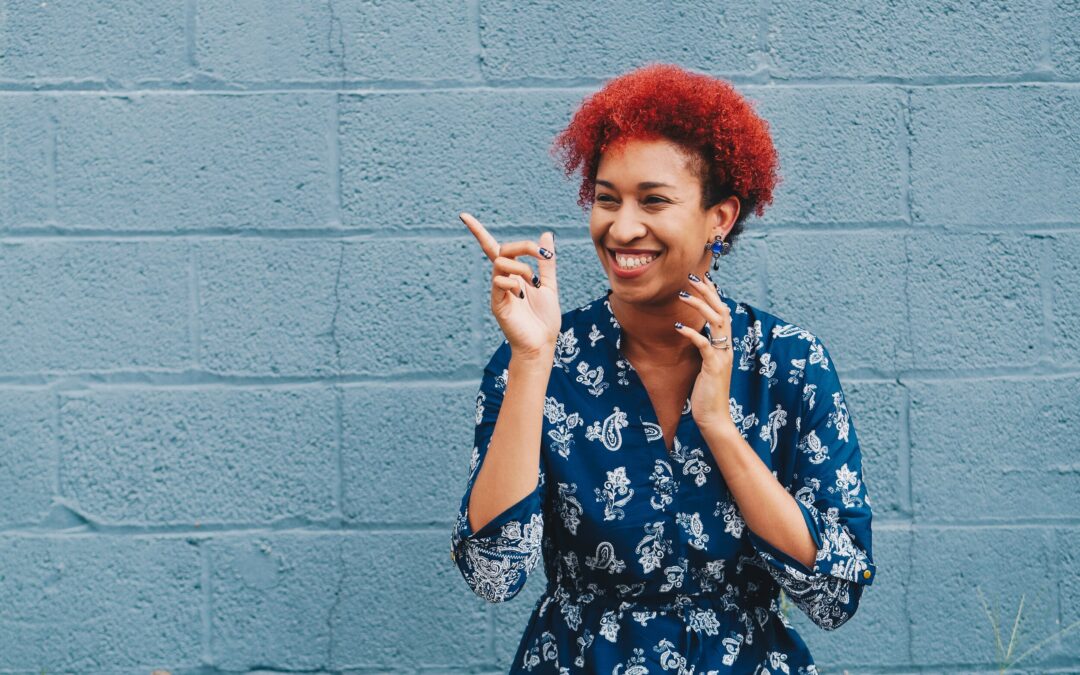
x=540 y=359
x=724 y=431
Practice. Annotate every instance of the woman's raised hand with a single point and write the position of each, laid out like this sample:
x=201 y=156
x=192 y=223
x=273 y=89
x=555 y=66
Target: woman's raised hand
x=528 y=312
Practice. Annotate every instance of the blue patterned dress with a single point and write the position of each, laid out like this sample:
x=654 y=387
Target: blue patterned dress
x=650 y=566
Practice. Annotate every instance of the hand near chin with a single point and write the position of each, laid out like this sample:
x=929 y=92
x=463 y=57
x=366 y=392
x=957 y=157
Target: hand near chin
x=710 y=400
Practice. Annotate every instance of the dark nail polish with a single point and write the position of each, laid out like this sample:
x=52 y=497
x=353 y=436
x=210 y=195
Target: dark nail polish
x=521 y=294
x=707 y=275
x=546 y=253
x=536 y=281
x=678 y=324
x=684 y=294
x=694 y=277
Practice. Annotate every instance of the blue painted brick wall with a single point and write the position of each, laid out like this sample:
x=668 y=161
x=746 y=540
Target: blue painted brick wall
x=241 y=327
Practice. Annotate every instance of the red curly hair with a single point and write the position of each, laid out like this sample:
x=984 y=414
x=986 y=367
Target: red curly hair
x=729 y=145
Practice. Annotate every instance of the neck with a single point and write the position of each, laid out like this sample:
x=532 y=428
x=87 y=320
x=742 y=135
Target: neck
x=649 y=331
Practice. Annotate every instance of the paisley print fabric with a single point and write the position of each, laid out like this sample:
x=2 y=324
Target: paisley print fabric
x=650 y=567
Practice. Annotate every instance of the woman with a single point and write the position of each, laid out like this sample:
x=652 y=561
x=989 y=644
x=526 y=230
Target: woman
x=675 y=456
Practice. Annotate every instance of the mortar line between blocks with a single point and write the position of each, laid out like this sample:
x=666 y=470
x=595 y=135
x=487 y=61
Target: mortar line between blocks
x=190 y=12
x=206 y=612
x=472 y=8
x=336 y=198
x=52 y=140
x=194 y=327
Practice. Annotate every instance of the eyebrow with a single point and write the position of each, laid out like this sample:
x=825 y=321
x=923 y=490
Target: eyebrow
x=644 y=185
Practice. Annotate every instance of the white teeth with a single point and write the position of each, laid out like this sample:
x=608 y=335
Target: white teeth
x=630 y=262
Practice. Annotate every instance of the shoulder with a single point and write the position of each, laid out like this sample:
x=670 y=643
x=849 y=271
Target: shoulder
x=583 y=316
x=777 y=334
x=778 y=344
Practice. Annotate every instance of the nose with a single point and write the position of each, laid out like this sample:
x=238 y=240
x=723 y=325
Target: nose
x=626 y=226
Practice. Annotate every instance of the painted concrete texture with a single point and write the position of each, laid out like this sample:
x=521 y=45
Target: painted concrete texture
x=242 y=328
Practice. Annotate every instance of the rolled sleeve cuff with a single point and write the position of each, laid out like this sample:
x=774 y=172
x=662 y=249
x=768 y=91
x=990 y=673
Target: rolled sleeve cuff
x=519 y=512
x=839 y=558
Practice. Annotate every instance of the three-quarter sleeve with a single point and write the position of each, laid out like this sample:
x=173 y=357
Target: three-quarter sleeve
x=828 y=486
x=496 y=559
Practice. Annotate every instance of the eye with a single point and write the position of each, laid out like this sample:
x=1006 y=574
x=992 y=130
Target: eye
x=662 y=200
x=603 y=198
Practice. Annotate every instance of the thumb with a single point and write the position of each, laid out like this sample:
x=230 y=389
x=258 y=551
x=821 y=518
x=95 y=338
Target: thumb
x=547 y=265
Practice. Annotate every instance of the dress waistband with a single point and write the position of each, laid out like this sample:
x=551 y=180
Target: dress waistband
x=707 y=616
x=666 y=601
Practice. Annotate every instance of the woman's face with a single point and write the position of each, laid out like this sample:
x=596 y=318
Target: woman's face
x=648 y=205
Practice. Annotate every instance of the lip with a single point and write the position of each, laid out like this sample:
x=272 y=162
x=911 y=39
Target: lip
x=630 y=274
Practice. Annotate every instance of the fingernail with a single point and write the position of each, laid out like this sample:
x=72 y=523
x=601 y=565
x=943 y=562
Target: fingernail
x=546 y=253
x=536 y=281
x=694 y=277
x=521 y=294
x=678 y=324
x=684 y=294
x=707 y=275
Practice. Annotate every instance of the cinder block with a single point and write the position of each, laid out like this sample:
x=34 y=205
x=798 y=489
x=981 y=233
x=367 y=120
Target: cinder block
x=234 y=456
x=820 y=281
x=1064 y=279
x=1009 y=443
x=412 y=159
x=1065 y=43
x=274 y=599
x=974 y=300
x=182 y=162
x=1067 y=557
x=584 y=39
x=870 y=39
x=842 y=153
x=93 y=40
x=408 y=305
x=403 y=601
x=995 y=156
x=282 y=42
x=25 y=150
x=93 y=306
x=266 y=307
x=948 y=619
x=28 y=455
x=100 y=603
x=418 y=435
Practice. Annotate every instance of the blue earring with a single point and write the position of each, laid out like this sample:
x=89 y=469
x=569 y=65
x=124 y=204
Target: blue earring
x=719 y=247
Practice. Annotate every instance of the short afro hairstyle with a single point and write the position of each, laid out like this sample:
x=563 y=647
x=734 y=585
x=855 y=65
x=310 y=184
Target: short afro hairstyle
x=728 y=144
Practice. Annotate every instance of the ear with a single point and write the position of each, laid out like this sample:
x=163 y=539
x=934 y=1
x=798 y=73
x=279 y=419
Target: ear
x=722 y=216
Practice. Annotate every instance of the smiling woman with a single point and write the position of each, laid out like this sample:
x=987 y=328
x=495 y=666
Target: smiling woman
x=728 y=147
x=675 y=456
x=665 y=221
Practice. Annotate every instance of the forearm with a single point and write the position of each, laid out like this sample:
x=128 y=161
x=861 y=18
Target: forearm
x=510 y=470
x=767 y=508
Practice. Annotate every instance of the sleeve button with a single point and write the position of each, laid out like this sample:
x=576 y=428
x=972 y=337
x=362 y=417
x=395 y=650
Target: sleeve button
x=866 y=574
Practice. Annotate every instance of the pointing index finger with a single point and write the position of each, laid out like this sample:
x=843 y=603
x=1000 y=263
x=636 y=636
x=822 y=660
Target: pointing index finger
x=488 y=243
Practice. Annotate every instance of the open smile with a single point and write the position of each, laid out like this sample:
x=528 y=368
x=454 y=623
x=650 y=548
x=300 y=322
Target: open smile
x=628 y=266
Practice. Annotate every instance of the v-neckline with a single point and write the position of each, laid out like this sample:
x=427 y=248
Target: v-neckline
x=646 y=403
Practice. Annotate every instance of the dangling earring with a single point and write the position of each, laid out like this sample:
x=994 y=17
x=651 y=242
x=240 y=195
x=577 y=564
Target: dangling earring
x=719 y=247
